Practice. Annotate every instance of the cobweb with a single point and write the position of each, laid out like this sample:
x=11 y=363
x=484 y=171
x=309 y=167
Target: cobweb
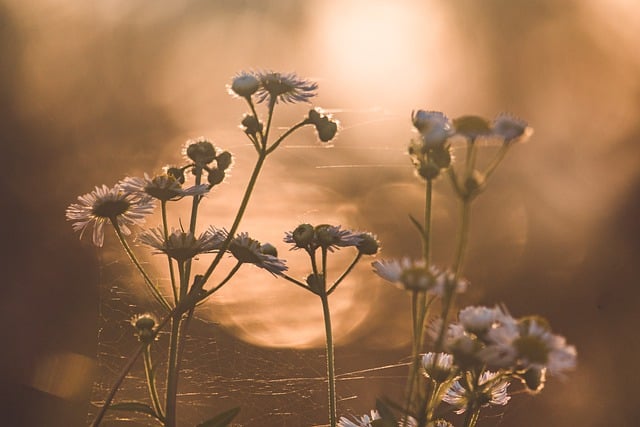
x=273 y=387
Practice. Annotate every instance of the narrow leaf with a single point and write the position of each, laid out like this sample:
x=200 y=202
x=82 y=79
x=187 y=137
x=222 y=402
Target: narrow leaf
x=222 y=419
x=417 y=224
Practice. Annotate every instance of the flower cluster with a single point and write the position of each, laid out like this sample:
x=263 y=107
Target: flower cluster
x=363 y=421
x=330 y=237
x=273 y=87
x=489 y=337
x=205 y=156
x=431 y=152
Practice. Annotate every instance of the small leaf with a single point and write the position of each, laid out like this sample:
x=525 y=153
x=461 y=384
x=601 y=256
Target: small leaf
x=222 y=419
x=135 y=407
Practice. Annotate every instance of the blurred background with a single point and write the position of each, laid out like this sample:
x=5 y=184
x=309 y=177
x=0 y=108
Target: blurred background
x=94 y=91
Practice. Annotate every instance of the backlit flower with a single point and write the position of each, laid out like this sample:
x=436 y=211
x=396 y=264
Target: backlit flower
x=438 y=366
x=511 y=129
x=200 y=151
x=161 y=187
x=490 y=390
x=244 y=85
x=434 y=127
x=106 y=204
x=288 y=88
x=248 y=250
x=181 y=245
x=408 y=274
x=363 y=421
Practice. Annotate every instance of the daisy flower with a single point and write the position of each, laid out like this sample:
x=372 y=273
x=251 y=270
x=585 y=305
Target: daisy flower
x=363 y=421
x=181 y=245
x=105 y=204
x=248 y=250
x=478 y=320
x=529 y=343
x=288 y=88
x=438 y=366
x=162 y=187
x=491 y=390
x=408 y=274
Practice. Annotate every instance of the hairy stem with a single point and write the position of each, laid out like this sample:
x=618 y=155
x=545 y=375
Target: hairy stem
x=331 y=376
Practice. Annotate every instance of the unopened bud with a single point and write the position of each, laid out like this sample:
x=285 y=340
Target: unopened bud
x=245 y=85
x=201 y=151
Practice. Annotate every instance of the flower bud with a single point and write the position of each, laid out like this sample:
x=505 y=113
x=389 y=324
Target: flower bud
x=201 y=151
x=434 y=127
x=316 y=283
x=441 y=156
x=251 y=125
x=324 y=235
x=368 y=244
x=144 y=324
x=269 y=249
x=429 y=170
x=314 y=116
x=176 y=173
x=303 y=235
x=327 y=129
x=224 y=160
x=245 y=85
x=534 y=379
x=215 y=176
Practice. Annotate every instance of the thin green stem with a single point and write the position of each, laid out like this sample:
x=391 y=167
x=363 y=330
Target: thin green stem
x=331 y=375
x=265 y=135
x=463 y=238
x=192 y=224
x=324 y=269
x=286 y=134
x=151 y=382
x=239 y=215
x=472 y=415
x=314 y=264
x=233 y=271
x=154 y=290
x=295 y=281
x=426 y=241
x=172 y=372
x=496 y=160
x=173 y=361
x=458 y=261
x=172 y=275
x=345 y=273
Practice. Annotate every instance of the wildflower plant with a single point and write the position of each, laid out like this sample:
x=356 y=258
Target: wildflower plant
x=473 y=357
